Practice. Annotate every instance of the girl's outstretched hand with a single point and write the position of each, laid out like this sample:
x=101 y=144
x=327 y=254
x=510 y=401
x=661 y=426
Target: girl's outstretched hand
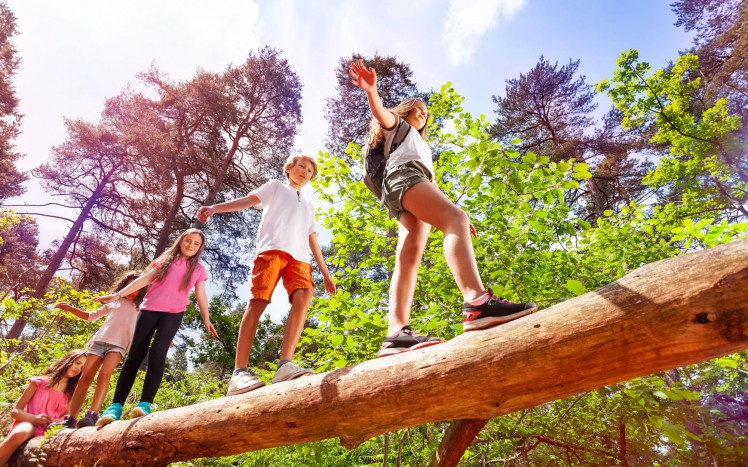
x=106 y=298
x=210 y=328
x=363 y=78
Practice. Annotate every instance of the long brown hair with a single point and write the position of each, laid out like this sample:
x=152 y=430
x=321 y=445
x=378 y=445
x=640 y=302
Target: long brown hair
x=173 y=252
x=56 y=371
x=401 y=109
x=125 y=278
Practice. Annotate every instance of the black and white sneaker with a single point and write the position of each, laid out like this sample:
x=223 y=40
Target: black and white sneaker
x=492 y=312
x=405 y=340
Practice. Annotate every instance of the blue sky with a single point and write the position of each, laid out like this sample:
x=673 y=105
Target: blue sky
x=77 y=53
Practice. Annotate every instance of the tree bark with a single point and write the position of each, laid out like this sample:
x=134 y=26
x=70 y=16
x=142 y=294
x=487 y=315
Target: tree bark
x=663 y=315
x=456 y=440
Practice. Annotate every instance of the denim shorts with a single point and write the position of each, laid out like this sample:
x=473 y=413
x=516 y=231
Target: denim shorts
x=398 y=180
x=102 y=348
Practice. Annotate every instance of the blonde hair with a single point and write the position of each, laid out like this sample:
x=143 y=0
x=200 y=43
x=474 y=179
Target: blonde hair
x=167 y=258
x=402 y=109
x=295 y=158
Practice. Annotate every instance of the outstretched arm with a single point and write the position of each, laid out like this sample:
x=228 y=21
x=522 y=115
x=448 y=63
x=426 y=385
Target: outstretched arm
x=238 y=204
x=133 y=286
x=71 y=309
x=317 y=253
x=366 y=79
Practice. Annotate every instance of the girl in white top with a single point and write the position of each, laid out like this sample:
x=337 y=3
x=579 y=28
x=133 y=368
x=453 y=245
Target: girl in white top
x=105 y=349
x=410 y=192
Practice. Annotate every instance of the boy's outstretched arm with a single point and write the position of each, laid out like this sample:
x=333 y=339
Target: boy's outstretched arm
x=238 y=204
x=317 y=253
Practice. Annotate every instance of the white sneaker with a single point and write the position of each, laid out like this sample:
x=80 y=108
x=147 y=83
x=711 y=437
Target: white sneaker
x=242 y=382
x=290 y=371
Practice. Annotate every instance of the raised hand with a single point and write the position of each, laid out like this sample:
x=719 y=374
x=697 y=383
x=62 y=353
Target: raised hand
x=205 y=212
x=363 y=78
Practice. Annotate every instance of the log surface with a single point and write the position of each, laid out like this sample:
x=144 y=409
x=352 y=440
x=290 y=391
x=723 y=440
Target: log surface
x=663 y=315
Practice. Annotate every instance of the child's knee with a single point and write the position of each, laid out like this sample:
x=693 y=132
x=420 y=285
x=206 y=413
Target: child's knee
x=457 y=219
x=86 y=378
x=302 y=296
x=255 y=309
x=21 y=433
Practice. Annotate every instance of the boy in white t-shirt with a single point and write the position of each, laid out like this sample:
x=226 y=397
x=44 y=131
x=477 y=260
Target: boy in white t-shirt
x=287 y=234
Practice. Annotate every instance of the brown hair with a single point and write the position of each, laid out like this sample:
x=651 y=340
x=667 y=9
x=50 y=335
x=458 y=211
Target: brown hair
x=125 y=278
x=402 y=109
x=167 y=258
x=294 y=158
x=56 y=371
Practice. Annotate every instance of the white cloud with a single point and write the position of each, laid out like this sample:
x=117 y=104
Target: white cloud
x=468 y=21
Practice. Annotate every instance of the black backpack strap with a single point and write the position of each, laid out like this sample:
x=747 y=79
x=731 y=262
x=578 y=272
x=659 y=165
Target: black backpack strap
x=402 y=130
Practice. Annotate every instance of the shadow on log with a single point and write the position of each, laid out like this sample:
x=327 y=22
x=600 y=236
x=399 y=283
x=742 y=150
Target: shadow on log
x=663 y=315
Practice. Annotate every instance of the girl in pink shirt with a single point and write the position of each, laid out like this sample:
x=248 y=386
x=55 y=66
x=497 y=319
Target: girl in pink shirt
x=43 y=401
x=171 y=276
x=105 y=350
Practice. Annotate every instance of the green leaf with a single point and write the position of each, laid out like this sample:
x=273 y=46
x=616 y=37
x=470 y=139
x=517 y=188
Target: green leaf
x=575 y=287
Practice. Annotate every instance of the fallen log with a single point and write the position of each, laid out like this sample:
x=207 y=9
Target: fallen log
x=663 y=315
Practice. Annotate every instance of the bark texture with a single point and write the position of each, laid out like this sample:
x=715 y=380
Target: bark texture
x=663 y=315
x=456 y=440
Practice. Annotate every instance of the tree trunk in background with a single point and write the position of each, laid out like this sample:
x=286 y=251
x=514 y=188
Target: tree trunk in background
x=663 y=315
x=163 y=238
x=46 y=277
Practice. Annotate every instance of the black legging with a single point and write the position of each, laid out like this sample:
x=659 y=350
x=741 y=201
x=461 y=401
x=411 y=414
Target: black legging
x=148 y=323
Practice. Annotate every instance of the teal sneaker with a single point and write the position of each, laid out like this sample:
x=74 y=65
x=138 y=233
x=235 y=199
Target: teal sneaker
x=111 y=414
x=141 y=410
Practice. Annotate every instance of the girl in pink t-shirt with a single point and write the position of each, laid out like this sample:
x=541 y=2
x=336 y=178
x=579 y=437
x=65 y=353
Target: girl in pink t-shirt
x=105 y=350
x=172 y=276
x=43 y=401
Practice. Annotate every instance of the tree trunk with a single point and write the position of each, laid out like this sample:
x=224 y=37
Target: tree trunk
x=41 y=285
x=457 y=439
x=663 y=315
x=163 y=237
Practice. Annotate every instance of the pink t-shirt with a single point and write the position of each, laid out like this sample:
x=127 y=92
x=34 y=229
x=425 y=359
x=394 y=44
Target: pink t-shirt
x=168 y=295
x=119 y=325
x=45 y=401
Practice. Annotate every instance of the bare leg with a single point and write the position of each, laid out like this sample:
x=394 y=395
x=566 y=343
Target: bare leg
x=426 y=202
x=111 y=360
x=15 y=438
x=88 y=374
x=412 y=236
x=300 y=300
x=247 y=331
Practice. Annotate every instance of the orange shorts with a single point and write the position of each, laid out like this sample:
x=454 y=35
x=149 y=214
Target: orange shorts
x=272 y=265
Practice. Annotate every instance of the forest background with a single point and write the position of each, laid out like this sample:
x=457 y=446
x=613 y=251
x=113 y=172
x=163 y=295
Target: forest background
x=570 y=182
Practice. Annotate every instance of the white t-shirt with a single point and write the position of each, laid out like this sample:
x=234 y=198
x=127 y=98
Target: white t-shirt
x=287 y=220
x=413 y=148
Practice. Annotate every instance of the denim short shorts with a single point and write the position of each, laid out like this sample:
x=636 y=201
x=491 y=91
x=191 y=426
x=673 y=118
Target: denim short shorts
x=102 y=348
x=398 y=180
